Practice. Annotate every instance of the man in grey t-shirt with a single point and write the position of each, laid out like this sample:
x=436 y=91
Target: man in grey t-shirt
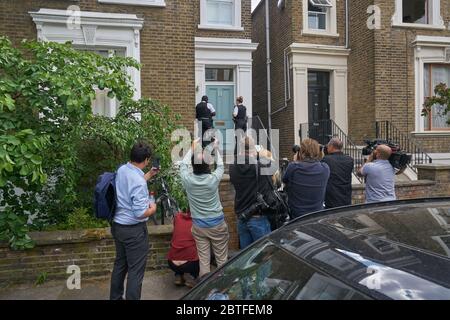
x=380 y=176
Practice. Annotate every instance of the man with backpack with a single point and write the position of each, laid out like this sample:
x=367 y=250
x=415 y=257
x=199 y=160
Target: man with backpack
x=129 y=226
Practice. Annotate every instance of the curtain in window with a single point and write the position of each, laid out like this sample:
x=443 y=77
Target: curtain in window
x=440 y=74
x=220 y=12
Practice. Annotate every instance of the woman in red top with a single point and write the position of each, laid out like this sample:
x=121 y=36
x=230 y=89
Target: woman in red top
x=182 y=257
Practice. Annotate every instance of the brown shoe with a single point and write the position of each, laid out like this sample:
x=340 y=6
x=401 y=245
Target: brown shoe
x=179 y=280
x=190 y=282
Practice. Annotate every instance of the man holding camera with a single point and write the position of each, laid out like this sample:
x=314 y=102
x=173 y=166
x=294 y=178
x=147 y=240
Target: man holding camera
x=129 y=228
x=249 y=203
x=209 y=228
x=380 y=176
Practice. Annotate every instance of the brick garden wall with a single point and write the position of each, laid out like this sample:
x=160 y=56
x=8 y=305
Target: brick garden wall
x=403 y=190
x=92 y=250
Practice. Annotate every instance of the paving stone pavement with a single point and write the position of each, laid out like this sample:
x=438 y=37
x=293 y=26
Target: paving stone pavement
x=157 y=285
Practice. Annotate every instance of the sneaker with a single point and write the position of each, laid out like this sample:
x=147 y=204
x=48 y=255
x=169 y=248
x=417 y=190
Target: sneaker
x=179 y=280
x=190 y=282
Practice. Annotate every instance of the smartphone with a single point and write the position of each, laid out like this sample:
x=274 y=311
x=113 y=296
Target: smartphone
x=156 y=164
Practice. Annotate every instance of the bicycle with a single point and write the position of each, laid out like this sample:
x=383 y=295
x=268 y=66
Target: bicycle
x=169 y=206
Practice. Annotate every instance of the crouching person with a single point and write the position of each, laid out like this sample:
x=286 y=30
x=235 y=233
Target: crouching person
x=208 y=223
x=182 y=257
x=129 y=228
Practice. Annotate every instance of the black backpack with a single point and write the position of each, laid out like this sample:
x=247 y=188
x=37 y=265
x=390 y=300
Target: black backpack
x=278 y=212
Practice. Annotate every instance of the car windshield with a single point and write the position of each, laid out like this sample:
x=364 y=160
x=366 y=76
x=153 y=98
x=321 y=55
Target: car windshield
x=267 y=272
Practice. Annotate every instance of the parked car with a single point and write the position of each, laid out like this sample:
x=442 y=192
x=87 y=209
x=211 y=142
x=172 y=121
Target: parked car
x=393 y=250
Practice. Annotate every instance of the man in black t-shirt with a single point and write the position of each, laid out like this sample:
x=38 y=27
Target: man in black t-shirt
x=243 y=178
x=339 y=187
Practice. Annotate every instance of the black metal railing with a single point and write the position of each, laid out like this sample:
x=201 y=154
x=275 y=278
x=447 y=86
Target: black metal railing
x=324 y=130
x=263 y=136
x=385 y=130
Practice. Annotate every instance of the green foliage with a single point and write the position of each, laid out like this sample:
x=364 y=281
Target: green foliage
x=14 y=230
x=79 y=219
x=52 y=148
x=441 y=97
x=41 y=279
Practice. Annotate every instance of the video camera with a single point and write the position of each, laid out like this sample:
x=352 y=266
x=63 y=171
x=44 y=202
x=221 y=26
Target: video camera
x=399 y=159
x=259 y=206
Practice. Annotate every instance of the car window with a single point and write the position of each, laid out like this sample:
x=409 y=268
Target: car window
x=424 y=225
x=267 y=272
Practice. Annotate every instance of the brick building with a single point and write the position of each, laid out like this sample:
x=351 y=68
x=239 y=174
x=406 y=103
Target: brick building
x=186 y=48
x=356 y=62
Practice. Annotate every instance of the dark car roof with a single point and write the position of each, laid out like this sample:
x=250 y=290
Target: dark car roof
x=407 y=242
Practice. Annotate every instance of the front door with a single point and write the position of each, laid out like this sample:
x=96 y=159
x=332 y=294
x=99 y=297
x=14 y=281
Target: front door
x=222 y=99
x=319 y=106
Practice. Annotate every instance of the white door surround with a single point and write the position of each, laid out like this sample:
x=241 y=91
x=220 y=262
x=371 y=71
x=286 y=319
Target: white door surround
x=306 y=57
x=428 y=49
x=220 y=52
x=93 y=29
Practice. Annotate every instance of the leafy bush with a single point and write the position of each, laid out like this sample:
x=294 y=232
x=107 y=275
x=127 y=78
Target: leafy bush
x=441 y=97
x=80 y=218
x=52 y=146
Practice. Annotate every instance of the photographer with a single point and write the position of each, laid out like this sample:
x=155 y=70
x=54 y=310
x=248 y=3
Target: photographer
x=380 y=176
x=209 y=228
x=339 y=188
x=252 y=223
x=306 y=179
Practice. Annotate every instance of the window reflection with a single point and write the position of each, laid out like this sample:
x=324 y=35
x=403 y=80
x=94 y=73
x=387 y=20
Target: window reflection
x=267 y=272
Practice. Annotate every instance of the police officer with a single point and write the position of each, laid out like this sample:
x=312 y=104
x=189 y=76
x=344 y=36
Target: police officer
x=204 y=113
x=240 y=115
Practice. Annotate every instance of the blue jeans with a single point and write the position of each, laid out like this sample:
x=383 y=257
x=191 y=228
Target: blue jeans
x=252 y=230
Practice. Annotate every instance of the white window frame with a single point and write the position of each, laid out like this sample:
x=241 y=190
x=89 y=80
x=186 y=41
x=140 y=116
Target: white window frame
x=147 y=3
x=94 y=30
x=237 y=19
x=331 y=23
x=428 y=50
x=435 y=18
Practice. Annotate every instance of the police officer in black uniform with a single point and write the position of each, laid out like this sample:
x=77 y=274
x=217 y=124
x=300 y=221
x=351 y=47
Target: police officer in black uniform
x=240 y=115
x=204 y=113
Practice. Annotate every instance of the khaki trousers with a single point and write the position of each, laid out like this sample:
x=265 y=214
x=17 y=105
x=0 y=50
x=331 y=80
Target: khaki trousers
x=215 y=237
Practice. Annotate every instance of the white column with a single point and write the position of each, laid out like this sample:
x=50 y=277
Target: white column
x=339 y=99
x=200 y=87
x=300 y=99
x=244 y=86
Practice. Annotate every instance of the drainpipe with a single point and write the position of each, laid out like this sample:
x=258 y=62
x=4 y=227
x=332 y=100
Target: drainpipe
x=269 y=91
x=347 y=15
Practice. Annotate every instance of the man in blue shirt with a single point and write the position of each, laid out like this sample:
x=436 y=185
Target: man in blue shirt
x=380 y=176
x=129 y=228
